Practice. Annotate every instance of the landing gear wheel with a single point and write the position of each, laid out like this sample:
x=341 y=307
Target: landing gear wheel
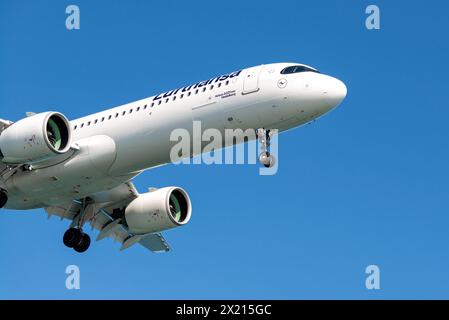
x=72 y=237
x=3 y=198
x=267 y=159
x=83 y=244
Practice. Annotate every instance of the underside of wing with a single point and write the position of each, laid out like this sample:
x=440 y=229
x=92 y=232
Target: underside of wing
x=104 y=215
x=109 y=227
x=3 y=167
x=155 y=242
x=4 y=124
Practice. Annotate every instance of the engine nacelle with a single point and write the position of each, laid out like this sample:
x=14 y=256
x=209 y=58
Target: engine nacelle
x=158 y=210
x=35 y=138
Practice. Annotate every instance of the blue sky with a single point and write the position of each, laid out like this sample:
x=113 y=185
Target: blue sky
x=367 y=184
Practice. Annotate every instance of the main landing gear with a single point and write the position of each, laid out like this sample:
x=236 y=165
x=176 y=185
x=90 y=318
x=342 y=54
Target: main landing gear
x=3 y=198
x=75 y=237
x=78 y=240
x=265 y=158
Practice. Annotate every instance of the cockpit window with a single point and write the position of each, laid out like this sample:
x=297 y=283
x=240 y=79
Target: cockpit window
x=297 y=69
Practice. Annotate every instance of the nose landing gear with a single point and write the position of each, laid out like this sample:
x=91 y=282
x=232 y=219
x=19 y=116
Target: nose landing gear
x=3 y=198
x=265 y=158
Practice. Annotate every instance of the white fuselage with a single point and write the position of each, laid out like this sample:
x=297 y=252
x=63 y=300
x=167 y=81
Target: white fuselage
x=117 y=144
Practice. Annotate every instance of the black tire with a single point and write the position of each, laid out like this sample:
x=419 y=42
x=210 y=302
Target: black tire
x=3 y=198
x=83 y=244
x=72 y=237
x=270 y=164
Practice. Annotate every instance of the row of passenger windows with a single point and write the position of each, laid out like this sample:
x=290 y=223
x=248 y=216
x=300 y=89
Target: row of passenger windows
x=165 y=100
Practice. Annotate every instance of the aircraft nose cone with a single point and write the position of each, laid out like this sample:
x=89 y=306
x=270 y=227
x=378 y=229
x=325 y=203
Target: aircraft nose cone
x=335 y=92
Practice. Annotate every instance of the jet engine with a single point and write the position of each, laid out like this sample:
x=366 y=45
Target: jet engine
x=35 y=138
x=158 y=210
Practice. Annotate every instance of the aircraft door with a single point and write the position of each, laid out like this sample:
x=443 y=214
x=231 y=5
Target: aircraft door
x=251 y=80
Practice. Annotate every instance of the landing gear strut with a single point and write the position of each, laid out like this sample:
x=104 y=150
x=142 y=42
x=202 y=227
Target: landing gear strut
x=265 y=158
x=3 y=198
x=75 y=237
x=78 y=240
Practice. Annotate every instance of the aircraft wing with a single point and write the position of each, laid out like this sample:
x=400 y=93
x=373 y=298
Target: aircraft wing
x=4 y=124
x=6 y=172
x=2 y=167
x=106 y=218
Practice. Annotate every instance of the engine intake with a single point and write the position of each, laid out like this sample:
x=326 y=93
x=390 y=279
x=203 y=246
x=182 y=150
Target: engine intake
x=159 y=210
x=36 y=138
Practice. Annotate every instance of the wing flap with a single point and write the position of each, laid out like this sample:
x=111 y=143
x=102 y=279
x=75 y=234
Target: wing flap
x=113 y=228
x=108 y=229
x=102 y=220
x=155 y=242
x=67 y=211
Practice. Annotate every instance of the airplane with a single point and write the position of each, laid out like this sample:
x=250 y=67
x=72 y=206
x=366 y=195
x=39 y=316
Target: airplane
x=81 y=170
